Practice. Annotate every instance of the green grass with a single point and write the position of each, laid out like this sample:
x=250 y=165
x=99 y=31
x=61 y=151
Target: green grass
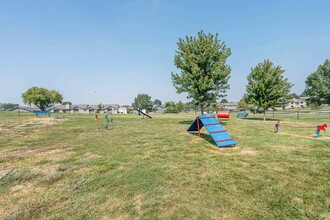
x=73 y=168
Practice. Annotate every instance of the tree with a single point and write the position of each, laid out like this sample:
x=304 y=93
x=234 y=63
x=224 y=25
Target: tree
x=67 y=103
x=157 y=102
x=170 y=107
x=224 y=101
x=179 y=106
x=99 y=108
x=142 y=101
x=204 y=72
x=266 y=86
x=41 y=97
x=242 y=105
x=6 y=106
x=190 y=106
x=294 y=96
x=318 y=85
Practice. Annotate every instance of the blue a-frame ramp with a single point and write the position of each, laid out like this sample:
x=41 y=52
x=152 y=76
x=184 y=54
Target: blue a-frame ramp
x=215 y=129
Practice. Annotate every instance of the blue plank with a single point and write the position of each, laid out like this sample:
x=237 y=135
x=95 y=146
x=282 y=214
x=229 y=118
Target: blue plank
x=216 y=130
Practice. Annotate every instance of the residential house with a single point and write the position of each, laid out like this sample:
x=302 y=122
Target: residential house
x=60 y=108
x=81 y=108
x=93 y=108
x=111 y=108
x=122 y=110
x=296 y=103
x=230 y=106
x=159 y=109
x=24 y=109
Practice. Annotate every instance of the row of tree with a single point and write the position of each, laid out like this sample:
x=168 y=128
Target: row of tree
x=7 y=106
x=204 y=76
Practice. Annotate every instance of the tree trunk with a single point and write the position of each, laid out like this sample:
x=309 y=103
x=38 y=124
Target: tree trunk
x=264 y=115
x=202 y=109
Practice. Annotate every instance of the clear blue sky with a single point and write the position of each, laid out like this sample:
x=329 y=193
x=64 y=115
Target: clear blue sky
x=109 y=51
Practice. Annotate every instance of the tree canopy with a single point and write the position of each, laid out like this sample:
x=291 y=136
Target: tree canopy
x=41 y=97
x=266 y=86
x=204 y=72
x=318 y=85
x=67 y=103
x=142 y=101
x=157 y=102
x=7 y=106
x=172 y=107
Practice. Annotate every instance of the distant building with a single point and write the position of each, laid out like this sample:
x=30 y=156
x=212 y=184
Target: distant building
x=230 y=106
x=60 y=108
x=24 y=109
x=81 y=108
x=296 y=103
x=111 y=108
x=122 y=110
x=159 y=109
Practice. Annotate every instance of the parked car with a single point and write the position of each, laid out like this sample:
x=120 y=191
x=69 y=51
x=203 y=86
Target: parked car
x=260 y=111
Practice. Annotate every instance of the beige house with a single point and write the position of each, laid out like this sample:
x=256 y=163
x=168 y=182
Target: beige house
x=24 y=109
x=122 y=110
x=296 y=103
x=60 y=108
x=88 y=109
x=82 y=108
x=230 y=106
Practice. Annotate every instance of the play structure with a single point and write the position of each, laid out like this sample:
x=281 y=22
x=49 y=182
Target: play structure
x=223 y=115
x=46 y=112
x=107 y=121
x=242 y=114
x=215 y=129
x=142 y=113
x=319 y=128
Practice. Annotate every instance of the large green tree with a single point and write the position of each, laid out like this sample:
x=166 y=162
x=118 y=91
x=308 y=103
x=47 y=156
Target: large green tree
x=318 y=85
x=204 y=72
x=41 y=97
x=266 y=86
x=142 y=101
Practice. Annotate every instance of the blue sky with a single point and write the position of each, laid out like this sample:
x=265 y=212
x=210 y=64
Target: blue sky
x=110 y=51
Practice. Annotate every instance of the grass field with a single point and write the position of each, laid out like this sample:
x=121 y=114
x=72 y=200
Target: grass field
x=73 y=168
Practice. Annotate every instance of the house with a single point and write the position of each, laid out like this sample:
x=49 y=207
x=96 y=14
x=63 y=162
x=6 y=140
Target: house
x=24 y=109
x=60 y=108
x=296 y=103
x=159 y=109
x=111 y=108
x=230 y=106
x=82 y=108
x=122 y=110
x=93 y=108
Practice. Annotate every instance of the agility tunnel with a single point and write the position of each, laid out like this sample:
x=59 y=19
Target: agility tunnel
x=218 y=133
x=223 y=115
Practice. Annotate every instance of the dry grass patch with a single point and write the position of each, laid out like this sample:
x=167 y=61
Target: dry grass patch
x=234 y=151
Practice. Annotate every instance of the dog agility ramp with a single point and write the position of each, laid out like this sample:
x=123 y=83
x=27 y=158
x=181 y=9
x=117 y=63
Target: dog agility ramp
x=215 y=129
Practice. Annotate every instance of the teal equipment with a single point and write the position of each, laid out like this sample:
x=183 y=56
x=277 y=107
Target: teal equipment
x=106 y=121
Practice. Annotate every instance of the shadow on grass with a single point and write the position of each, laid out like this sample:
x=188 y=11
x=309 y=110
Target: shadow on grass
x=186 y=122
x=209 y=139
x=206 y=137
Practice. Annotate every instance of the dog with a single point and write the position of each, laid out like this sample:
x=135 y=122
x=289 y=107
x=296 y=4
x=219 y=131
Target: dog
x=322 y=127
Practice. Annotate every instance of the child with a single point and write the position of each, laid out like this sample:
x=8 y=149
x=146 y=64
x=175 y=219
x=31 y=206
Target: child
x=276 y=126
